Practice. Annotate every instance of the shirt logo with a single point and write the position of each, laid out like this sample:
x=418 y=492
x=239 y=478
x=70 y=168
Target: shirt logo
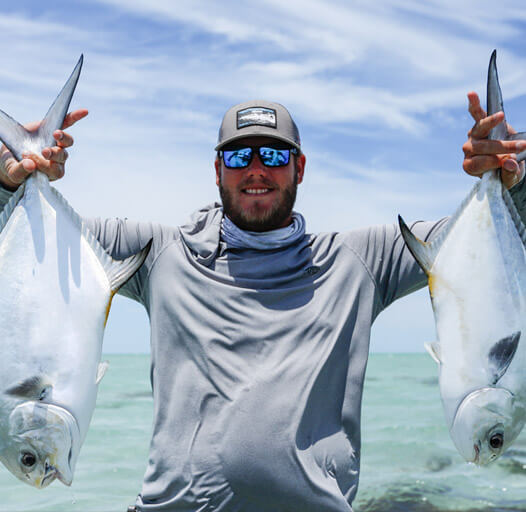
x=311 y=271
x=256 y=116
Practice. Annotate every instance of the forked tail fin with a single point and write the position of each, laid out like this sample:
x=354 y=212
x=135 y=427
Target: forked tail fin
x=18 y=140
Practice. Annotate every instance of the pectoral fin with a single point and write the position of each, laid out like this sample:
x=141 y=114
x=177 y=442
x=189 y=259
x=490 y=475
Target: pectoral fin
x=37 y=387
x=501 y=355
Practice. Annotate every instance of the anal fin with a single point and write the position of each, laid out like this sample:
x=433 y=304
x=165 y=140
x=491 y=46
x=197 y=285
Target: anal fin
x=101 y=371
x=434 y=351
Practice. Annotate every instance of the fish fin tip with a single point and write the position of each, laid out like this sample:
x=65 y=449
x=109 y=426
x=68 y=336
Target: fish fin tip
x=420 y=250
x=101 y=371
x=121 y=271
x=494 y=100
x=56 y=114
x=433 y=349
x=13 y=135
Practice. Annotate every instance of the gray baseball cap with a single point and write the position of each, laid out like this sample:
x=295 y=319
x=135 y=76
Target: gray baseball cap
x=258 y=117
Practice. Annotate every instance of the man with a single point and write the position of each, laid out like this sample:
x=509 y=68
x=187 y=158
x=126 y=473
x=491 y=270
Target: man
x=260 y=332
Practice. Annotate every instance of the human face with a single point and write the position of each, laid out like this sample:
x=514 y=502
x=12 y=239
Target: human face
x=257 y=197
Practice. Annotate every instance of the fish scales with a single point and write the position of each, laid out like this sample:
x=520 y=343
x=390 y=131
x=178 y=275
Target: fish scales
x=56 y=286
x=476 y=269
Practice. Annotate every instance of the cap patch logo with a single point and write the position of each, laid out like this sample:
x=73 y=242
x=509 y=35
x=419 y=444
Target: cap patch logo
x=256 y=116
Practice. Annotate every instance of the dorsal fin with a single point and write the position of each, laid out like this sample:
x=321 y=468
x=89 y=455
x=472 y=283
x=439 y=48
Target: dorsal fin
x=501 y=354
x=424 y=253
x=18 y=140
x=494 y=100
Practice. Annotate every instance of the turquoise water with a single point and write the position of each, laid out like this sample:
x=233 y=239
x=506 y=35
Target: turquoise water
x=409 y=463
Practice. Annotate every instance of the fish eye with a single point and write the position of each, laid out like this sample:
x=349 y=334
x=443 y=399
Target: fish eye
x=28 y=459
x=496 y=441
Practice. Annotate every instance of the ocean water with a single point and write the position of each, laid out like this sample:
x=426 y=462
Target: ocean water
x=409 y=463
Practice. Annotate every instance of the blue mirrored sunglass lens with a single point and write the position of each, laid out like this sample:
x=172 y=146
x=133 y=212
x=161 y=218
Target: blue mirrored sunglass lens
x=274 y=157
x=238 y=157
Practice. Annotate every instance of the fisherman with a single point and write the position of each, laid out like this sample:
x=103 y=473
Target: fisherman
x=260 y=331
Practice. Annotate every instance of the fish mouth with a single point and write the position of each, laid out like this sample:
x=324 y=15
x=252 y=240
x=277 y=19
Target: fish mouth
x=50 y=473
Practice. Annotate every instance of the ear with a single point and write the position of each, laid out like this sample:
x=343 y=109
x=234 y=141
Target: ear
x=217 y=165
x=301 y=160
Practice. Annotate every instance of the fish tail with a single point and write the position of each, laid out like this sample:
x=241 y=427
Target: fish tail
x=59 y=108
x=18 y=140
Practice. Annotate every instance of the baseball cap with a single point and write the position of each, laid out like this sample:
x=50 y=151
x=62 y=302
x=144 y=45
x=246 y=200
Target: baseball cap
x=258 y=117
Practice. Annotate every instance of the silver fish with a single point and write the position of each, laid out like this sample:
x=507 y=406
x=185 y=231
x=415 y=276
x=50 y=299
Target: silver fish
x=56 y=286
x=476 y=269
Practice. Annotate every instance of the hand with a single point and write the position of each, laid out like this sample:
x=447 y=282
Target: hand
x=51 y=162
x=482 y=154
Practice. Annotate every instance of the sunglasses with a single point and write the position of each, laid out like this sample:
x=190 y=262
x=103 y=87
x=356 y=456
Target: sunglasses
x=241 y=157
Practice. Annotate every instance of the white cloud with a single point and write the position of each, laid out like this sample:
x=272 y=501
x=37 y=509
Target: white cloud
x=353 y=73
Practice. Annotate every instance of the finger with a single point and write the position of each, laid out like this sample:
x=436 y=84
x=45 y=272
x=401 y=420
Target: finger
x=509 y=163
x=479 y=164
x=476 y=111
x=482 y=128
x=492 y=147
x=54 y=170
x=73 y=117
x=60 y=155
x=69 y=120
x=511 y=178
x=17 y=172
x=64 y=140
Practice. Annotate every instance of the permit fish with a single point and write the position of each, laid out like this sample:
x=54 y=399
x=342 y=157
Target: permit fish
x=56 y=287
x=476 y=269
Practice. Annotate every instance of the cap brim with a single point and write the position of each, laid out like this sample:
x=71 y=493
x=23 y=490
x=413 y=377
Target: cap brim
x=262 y=134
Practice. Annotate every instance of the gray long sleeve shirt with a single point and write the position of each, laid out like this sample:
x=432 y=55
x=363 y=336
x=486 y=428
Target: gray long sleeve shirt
x=258 y=360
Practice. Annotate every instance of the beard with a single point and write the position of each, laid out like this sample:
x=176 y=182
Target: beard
x=255 y=219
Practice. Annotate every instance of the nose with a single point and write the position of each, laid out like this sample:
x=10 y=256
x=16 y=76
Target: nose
x=256 y=167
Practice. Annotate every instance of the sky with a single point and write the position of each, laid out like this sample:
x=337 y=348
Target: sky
x=378 y=90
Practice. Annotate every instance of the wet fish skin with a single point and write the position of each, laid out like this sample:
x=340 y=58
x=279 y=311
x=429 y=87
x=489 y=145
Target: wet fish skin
x=56 y=286
x=476 y=268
